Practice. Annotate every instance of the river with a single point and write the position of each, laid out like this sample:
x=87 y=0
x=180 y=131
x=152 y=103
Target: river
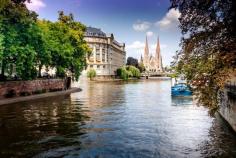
x=136 y=119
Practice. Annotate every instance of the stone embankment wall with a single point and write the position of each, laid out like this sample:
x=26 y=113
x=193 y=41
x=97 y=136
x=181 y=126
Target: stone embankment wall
x=227 y=102
x=24 y=88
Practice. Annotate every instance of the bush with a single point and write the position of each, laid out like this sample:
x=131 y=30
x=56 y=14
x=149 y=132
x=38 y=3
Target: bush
x=129 y=71
x=134 y=71
x=118 y=72
x=91 y=74
x=124 y=73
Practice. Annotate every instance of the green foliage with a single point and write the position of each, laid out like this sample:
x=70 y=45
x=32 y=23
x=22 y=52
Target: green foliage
x=129 y=71
x=91 y=73
x=118 y=72
x=141 y=67
x=174 y=75
x=66 y=44
x=134 y=71
x=208 y=53
x=29 y=44
x=124 y=73
x=1 y=46
x=18 y=47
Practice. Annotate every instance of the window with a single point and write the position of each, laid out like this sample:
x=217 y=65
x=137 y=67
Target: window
x=91 y=66
x=104 y=66
x=98 y=66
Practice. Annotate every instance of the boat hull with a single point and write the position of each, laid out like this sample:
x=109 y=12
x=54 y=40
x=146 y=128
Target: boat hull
x=181 y=90
x=181 y=93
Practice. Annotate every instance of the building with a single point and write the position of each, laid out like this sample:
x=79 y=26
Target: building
x=107 y=54
x=150 y=62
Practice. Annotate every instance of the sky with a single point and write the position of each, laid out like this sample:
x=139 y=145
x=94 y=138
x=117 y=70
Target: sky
x=129 y=20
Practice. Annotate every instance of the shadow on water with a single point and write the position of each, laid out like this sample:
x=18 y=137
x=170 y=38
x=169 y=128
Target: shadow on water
x=221 y=140
x=33 y=127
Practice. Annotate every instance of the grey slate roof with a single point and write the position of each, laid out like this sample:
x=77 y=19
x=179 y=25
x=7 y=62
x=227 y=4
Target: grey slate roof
x=91 y=31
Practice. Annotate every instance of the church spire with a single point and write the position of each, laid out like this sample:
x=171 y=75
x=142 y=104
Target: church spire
x=158 y=55
x=158 y=49
x=141 y=59
x=146 y=49
x=146 y=53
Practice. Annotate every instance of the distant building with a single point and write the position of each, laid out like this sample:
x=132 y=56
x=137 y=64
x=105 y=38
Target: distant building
x=150 y=62
x=107 y=54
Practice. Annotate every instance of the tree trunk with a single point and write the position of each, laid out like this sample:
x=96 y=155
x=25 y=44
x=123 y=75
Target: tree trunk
x=3 y=68
x=2 y=77
x=39 y=73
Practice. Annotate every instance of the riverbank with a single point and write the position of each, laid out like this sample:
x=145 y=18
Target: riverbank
x=227 y=102
x=39 y=96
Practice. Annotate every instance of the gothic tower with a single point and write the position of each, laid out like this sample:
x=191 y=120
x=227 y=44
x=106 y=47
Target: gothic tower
x=141 y=59
x=158 y=56
x=146 y=55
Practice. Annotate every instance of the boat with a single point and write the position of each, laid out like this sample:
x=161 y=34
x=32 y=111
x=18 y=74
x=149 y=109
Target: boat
x=181 y=88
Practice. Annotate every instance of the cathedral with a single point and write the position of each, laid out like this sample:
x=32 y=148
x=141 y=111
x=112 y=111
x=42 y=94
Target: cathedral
x=150 y=62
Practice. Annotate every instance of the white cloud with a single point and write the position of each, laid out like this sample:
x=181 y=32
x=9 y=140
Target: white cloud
x=35 y=5
x=169 y=21
x=136 y=45
x=149 y=33
x=141 y=25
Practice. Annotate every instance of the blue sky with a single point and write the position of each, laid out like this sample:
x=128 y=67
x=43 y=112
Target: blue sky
x=129 y=20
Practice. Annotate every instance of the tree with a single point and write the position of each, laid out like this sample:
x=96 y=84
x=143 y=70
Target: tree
x=91 y=73
x=18 y=26
x=208 y=45
x=141 y=67
x=29 y=44
x=43 y=57
x=132 y=61
x=65 y=44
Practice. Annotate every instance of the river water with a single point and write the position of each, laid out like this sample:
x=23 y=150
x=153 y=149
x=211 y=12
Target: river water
x=114 y=120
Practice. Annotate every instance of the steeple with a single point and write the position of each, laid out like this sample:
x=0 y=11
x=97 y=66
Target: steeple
x=158 y=55
x=141 y=59
x=146 y=49
x=146 y=55
x=158 y=50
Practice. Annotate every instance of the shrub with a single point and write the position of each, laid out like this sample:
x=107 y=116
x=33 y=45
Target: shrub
x=134 y=71
x=118 y=72
x=91 y=73
x=124 y=74
x=129 y=71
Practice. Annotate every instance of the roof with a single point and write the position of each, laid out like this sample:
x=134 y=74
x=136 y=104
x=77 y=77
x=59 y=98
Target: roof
x=91 y=31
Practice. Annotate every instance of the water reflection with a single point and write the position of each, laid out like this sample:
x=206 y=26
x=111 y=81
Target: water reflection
x=122 y=119
x=182 y=101
x=31 y=127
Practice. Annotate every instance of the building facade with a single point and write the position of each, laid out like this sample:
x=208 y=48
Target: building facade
x=107 y=54
x=150 y=62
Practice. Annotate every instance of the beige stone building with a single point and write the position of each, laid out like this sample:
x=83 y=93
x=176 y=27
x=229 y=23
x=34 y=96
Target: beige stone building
x=107 y=54
x=152 y=63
